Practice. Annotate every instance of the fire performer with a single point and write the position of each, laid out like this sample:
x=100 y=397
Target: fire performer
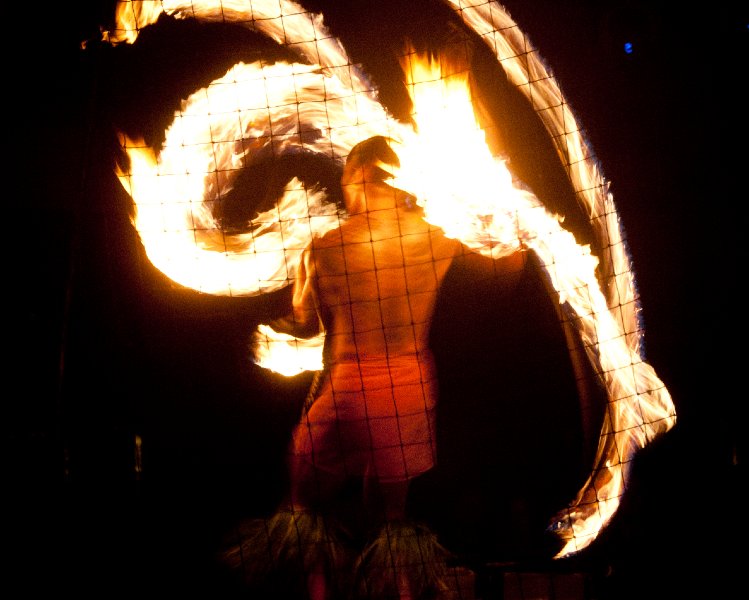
x=371 y=285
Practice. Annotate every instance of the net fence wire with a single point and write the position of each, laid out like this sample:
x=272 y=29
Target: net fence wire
x=235 y=199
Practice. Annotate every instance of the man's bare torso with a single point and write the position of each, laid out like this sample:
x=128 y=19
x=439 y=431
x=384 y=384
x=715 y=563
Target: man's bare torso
x=377 y=279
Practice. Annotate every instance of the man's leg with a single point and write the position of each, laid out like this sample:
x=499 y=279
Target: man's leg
x=311 y=493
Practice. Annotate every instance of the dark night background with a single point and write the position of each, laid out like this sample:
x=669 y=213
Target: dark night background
x=104 y=350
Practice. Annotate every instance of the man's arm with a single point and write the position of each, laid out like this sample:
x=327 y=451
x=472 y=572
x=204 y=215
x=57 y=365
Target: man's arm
x=303 y=321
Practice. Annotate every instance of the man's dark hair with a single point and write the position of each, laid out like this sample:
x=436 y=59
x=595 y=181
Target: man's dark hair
x=370 y=152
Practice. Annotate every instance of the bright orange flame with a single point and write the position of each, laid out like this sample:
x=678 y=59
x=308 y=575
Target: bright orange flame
x=286 y=354
x=640 y=407
x=447 y=165
x=131 y=16
x=470 y=195
x=204 y=150
x=327 y=107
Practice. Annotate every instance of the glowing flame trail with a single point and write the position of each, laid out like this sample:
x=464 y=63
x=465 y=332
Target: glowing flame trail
x=282 y=106
x=640 y=407
x=324 y=104
x=253 y=106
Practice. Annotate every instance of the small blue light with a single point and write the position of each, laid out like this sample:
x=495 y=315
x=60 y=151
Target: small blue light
x=628 y=48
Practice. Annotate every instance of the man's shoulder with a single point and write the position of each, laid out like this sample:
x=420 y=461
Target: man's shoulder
x=330 y=239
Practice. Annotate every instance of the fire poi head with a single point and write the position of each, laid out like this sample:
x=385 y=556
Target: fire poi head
x=324 y=104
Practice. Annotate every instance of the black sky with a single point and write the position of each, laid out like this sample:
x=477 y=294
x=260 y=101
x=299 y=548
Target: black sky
x=107 y=350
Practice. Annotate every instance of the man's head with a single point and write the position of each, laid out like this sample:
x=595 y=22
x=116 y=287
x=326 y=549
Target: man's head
x=367 y=169
x=366 y=160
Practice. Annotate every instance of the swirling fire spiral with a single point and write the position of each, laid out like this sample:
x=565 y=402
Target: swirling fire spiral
x=324 y=104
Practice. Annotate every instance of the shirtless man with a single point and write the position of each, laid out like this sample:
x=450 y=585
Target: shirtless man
x=371 y=285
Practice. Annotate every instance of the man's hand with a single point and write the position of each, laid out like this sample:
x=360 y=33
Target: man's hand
x=304 y=328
